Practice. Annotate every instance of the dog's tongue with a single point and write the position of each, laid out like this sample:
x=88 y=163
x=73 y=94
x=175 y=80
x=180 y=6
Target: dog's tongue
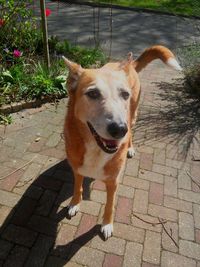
x=110 y=143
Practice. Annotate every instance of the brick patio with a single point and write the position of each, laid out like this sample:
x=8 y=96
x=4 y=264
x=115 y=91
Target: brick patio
x=155 y=184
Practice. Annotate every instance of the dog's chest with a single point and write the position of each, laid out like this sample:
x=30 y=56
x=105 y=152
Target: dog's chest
x=94 y=162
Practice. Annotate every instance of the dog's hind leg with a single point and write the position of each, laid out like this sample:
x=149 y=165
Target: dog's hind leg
x=107 y=226
x=73 y=207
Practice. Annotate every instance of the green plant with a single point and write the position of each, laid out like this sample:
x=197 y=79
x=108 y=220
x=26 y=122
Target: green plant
x=5 y=119
x=189 y=57
x=81 y=55
x=23 y=74
x=19 y=30
x=192 y=80
x=44 y=83
x=10 y=81
x=54 y=77
x=29 y=81
x=87 y=57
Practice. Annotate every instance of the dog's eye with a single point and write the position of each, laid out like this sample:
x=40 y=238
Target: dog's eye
x=93 y=94
x=125 y=95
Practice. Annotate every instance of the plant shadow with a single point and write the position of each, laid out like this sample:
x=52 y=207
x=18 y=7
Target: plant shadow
x=175 y=121
x=32 y=226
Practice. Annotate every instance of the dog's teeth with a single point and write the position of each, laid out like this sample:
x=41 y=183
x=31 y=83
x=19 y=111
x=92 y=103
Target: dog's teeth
x=104 y=143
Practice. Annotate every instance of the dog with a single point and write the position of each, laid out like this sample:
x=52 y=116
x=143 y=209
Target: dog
x=102 y=110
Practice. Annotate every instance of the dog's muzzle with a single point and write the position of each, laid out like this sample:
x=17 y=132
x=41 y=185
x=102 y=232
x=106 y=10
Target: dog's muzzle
x=116 y=130
x=108 y=146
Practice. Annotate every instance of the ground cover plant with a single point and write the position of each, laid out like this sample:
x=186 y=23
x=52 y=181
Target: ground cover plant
x=183 y=7
x=23 y=73
x=190 y=60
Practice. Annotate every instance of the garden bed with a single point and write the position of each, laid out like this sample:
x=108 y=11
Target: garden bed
x=25 y=80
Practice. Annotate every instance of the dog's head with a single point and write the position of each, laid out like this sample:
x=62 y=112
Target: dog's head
x=102 y=100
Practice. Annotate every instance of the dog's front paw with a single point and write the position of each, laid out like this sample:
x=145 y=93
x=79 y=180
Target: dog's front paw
x=130 y=152
x=107 y=230
x=72 y=210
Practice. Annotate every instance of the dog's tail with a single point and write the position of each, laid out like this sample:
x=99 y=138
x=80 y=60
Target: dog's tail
x=156 y=52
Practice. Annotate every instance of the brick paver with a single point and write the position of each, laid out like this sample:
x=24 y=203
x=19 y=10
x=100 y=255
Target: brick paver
x=171 y=259
x=33 y=225
x=112 y=260
x=133 y=254
x=186 y=226
x=152 y=247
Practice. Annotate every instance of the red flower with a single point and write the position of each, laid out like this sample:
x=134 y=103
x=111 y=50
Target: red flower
x=47 y=12
x=17 y=53
x=2 y=21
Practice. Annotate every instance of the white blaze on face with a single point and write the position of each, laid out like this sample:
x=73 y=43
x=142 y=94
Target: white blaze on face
x=112 y=106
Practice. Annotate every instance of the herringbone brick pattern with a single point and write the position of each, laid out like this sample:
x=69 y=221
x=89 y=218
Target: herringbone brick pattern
x=158 y=195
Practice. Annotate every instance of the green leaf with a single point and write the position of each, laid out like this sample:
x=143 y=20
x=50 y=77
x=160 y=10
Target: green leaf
x=7 y=74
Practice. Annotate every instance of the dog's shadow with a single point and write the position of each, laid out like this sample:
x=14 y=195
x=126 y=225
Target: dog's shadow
x=37 y=216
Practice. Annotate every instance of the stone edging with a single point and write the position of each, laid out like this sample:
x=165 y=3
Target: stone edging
x=18 y=106
x=138 y=9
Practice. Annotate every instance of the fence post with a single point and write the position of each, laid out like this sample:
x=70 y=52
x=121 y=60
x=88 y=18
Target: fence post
x=45 y=32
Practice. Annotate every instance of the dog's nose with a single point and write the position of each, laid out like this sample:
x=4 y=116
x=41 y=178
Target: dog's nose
x=117 y=130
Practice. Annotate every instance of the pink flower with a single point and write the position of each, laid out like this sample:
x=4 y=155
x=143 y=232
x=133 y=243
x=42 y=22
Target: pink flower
x=17 y=53
x=47 y=12
x=2 y=22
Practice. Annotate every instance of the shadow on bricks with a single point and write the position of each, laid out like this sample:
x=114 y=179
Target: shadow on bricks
x=173 y=116
x=28 y=235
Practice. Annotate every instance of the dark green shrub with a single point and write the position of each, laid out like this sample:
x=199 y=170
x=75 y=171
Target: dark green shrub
x=192 y=80
x=189 y=56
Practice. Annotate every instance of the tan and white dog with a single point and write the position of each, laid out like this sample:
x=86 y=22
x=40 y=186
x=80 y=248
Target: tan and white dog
x=102 y=109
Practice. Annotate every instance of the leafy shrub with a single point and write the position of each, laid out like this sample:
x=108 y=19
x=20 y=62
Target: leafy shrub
x=47 y=83
x=25 y=81
x=189 y=56
x=192 y=80
x=81 y=55
x=19 y=29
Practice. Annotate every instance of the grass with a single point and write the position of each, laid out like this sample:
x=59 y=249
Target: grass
x=183 y=7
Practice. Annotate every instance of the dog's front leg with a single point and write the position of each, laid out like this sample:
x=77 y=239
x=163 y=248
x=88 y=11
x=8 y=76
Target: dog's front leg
x=131 y=150
x=107 y=226
x=73 y=207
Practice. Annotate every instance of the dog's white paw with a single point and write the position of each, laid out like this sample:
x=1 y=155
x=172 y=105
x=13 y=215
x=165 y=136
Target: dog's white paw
x=130 y=152
x=107 y=230
x=72 y=210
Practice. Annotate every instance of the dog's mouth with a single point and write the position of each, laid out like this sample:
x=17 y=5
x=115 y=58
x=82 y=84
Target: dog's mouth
x=108 y=146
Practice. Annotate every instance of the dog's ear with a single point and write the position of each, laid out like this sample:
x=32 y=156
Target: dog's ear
x=125 y=64
x=75 y=71
x=130 y=57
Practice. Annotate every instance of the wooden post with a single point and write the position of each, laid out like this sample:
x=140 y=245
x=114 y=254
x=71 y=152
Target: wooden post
x=45 y=32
